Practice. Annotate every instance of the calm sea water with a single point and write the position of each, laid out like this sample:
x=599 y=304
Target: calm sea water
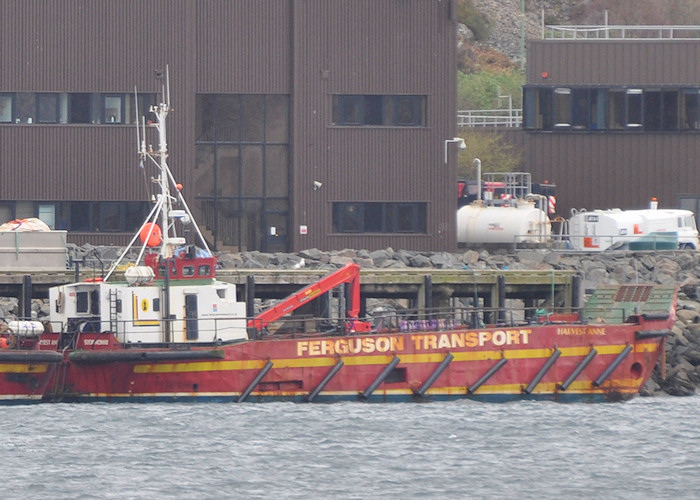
x=645 y=448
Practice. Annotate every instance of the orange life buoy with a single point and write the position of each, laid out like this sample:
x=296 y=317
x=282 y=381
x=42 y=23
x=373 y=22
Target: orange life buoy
x=151 y=234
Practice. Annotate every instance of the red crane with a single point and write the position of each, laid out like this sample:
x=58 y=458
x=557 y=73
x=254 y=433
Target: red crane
x=350 y=273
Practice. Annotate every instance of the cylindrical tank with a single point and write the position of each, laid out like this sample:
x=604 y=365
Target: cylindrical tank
x=26 y=328
x=139 y=275
x=479 y=224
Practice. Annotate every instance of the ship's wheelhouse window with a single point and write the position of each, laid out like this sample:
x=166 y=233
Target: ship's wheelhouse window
x=204 y=270
x=6 y=108
x=188 y=271
x=81 y=302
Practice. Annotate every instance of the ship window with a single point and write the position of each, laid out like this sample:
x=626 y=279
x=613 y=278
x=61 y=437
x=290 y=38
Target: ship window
x=81 y=302
x=204 y=270
x=156 y=304
x=221 y=292
x=95 y=302
x=188 y=270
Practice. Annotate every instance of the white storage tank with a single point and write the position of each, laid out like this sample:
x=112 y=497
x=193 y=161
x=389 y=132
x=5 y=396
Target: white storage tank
x=650 y=229
x=479 y=224
x=599 y=230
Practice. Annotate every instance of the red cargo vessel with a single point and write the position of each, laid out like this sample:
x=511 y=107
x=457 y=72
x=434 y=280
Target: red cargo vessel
x=173 y=332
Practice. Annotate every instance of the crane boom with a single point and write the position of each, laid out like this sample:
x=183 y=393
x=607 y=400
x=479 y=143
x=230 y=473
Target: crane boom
x=350 y=273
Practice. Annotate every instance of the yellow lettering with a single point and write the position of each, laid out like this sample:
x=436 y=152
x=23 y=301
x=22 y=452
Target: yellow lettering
x=484 y=337
x=499 y=337
x=302 y=347
x=430 y=342
x=314 y=347
x=397 y=343
x=355 y=345
x=383 y=344
x=416 y=342
x=472 y=339
x=525 y=335
x=327 y=347
x=513 y=337
x=444 y=342
x=368 y=345
x=457 y=339
x=341 y=346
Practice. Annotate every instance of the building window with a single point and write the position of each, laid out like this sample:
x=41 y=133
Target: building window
x=113 y=108
x=6 y=108
x=379 y=110
x=379 y=217
x=47 y=213
x=689 y=109
x=47 y=108
x=618 y=109
x=562 y=108
x=79 y=108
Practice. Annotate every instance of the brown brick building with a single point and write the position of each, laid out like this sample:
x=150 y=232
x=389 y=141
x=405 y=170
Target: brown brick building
x=297 y=123
x=614 y=120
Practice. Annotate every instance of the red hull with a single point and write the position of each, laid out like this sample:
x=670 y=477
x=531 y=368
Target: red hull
x=541 y=361
x=25 y=375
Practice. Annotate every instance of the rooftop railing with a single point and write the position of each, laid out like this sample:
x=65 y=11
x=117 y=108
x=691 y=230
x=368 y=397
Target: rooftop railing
x=622 y=32
x=490 y=118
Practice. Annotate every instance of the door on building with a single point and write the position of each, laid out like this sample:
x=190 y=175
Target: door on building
x=276 y=239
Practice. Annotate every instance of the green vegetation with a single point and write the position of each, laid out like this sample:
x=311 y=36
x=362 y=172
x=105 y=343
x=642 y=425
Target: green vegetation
x=495 y=153
x=481 y=90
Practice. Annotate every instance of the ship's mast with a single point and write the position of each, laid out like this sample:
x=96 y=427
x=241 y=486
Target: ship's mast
x=162 y=212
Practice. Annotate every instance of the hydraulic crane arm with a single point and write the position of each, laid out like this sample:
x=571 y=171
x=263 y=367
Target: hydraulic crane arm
x=350 y=273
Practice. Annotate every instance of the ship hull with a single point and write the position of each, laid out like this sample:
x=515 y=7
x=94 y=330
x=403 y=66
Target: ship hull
x=561 y=362
x=25 y=376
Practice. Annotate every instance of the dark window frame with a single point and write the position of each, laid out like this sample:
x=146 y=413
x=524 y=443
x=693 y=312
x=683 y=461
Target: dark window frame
x=632 y=108
x=11 y=99
x=380 y=217
x=378 y=110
